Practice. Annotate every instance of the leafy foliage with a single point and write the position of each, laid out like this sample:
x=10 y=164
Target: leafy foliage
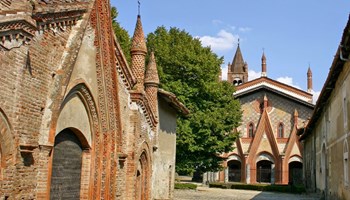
x=122 y=35
x=191 y=72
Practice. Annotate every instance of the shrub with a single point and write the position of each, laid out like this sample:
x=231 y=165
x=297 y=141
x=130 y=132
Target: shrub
x=184 y=186
x=260 y=187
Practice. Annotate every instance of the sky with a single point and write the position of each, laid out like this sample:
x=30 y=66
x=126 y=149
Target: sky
x=294 y=34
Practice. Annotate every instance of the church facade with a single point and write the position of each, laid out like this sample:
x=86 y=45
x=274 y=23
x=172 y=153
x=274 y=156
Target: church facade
x=268 y=149
x=76 y=120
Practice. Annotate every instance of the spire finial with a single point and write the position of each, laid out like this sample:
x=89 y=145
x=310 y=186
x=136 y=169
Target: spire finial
x=238 y=41
x=139 y=4
x=309 y=79
x=263 y=64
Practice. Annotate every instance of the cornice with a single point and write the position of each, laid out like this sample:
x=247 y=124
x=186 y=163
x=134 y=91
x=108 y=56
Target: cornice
x=19 y=27
x=141 y=100
x=281 y=88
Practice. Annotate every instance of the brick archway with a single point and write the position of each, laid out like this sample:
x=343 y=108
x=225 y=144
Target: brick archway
x=67 y=165
x=142 y=178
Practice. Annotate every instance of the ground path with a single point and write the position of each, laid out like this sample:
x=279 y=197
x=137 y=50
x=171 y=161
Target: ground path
x=204 y=193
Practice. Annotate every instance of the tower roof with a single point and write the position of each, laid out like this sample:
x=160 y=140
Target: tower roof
x=309 y=72
x=263 y=57
x=151 y=75
x=238 y=63
x=138 y=40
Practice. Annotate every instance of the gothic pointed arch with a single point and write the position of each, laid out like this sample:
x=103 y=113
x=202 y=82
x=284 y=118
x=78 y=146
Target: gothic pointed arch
x=7 y=144
x=264 y=128
x=67 y=164
x=77 y=127
x=143 y=174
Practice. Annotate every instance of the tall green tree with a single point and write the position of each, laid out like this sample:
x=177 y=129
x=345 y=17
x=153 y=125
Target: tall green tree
x=191 y=72
x=122 y=35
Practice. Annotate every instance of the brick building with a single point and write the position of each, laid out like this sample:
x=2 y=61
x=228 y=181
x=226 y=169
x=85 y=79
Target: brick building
x=268 y=149
x=76 y=120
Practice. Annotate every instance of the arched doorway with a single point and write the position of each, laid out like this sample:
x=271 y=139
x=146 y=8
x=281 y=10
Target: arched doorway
x=264 y=171
x=142 y=178
x=234 y=171
x=295 y=172
x=66 y=166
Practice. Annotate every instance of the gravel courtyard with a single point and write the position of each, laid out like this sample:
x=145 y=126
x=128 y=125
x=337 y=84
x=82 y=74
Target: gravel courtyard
x=203 y=193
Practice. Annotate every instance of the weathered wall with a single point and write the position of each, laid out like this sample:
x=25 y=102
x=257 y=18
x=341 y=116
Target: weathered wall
x=164 y=160
x=331 y=136
x=69 y=73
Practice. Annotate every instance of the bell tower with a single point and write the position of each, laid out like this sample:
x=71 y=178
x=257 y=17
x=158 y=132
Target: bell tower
x=237 y=72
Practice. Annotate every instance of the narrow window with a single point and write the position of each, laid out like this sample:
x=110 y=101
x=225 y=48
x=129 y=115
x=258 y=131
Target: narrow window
x=345 y=113
x=346 y=163
x=280 y=130
x=251 y=130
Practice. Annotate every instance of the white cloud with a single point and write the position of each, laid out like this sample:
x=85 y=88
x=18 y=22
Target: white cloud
x=287 y=80
x=244 y=29
x=223 y=41
x=217 y=22
x=224 y=69
x=253 y=75
x=315 y=96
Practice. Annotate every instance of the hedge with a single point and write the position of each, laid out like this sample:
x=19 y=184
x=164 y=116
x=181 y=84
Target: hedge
x=188 y=186
x=260 y=187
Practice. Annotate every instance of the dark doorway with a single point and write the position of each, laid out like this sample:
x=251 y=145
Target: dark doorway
x=295 y=172
x=234 y=171
x=66 y=166
x=263 y=174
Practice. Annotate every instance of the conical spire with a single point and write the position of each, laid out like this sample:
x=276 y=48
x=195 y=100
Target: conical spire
x=138 y=55
x=151 y=75
x=263 y=65
x=138 y=40
x=309 y=80
x=237 y=72
x=238 y=63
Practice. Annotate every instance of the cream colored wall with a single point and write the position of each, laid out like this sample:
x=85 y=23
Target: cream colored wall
x=334 y=131
x=85 y=66
x=74 y=115
x=164 y=157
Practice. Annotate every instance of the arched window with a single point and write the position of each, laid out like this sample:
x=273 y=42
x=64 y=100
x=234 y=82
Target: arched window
x=346 y=163
x=280 y=130
x=251 y=130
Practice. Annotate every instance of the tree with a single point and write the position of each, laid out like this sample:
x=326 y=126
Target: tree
x=122 y=35
x=191 y=72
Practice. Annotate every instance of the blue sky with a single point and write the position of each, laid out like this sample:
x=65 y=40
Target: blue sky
x=293 y=33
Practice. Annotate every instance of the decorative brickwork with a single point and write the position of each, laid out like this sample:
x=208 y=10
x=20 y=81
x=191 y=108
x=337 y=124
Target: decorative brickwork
x=276 y=112
x=62 y=69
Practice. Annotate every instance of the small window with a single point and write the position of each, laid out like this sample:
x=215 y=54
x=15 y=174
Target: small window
x=346 y=164
x=251 y=130
x=280 y=130
x=345 y=113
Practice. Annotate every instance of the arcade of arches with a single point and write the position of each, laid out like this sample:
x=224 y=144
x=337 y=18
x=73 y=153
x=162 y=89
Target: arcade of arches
x=268 y=149
x=263 y=171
